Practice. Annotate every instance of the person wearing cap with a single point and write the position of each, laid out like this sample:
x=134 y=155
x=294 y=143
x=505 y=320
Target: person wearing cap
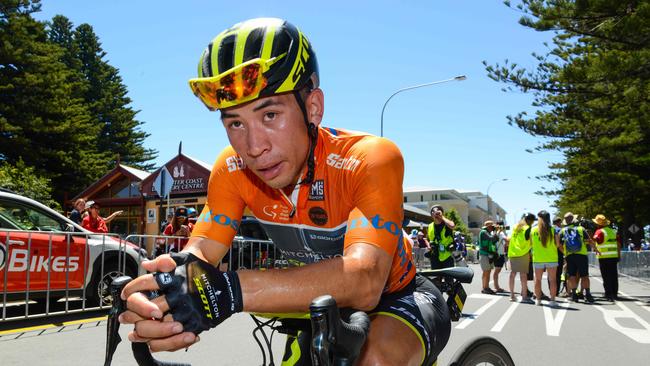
x=441 y=239
x=609 y=245
x=519 y=256
x=93 y=221
x=192 y=215
x=576 y=256
x=179 y=227
x=487 y=239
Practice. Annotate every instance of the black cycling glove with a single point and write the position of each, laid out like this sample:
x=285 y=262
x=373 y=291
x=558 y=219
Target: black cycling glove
x=199 y=295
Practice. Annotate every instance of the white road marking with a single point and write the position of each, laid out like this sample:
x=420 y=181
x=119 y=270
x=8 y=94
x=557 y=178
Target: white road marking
x=554 y=324
x=638 y=335
x=467 y=321
x=505 y=317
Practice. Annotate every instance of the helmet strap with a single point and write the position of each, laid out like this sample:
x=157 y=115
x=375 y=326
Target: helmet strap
x=312 y=132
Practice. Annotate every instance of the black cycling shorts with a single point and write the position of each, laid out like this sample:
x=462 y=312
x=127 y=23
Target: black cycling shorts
x=421 y=306
x=577 y=264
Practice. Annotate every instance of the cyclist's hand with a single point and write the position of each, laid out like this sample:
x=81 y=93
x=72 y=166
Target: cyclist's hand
x=137 y=302
x=146 y=313
x=199 y=295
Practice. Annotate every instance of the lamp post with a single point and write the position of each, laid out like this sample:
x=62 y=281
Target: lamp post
x=456 y=78
x=487 y=194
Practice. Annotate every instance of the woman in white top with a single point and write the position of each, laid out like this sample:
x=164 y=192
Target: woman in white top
x=500 y=260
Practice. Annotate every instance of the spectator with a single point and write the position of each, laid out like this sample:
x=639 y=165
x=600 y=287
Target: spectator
x=441 y=240
x=459 y=253
x=179 y=227
x=487 y=239
x=500 y=259
x=557 y=226
x=519 y=255
x=609 y=244
x=78 y=210
x=167 y=221
x=544 y=256
x=421 y=246
x=572 y=238
x=93 y=221
x=192 y=215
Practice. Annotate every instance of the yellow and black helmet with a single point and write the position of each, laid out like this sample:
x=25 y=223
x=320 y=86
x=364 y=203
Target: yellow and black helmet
x=253 y=59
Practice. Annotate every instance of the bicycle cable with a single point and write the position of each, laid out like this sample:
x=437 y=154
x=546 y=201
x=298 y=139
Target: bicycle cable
x=260 y=328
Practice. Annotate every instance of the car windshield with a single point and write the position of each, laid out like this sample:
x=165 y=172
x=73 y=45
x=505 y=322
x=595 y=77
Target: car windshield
x=18 y=216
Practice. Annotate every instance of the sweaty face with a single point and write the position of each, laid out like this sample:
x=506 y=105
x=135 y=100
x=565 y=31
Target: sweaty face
x=270 y=135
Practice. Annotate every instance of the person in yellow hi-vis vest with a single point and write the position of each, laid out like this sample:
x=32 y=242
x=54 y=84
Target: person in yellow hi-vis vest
x=609 y=244
x=441 y=238
x=544 y=256
x=519 y=256
x=574 y=240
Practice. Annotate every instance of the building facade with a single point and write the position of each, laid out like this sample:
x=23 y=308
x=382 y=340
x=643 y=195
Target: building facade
x=473 y=207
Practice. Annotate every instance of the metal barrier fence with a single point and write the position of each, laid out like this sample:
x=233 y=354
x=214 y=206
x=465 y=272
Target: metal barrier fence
x=37 y=268
x=633 y=263
x=45 y=273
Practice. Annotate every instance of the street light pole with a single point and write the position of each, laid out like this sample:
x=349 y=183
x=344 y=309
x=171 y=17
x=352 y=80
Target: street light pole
x=487 y=193
x=456 y=78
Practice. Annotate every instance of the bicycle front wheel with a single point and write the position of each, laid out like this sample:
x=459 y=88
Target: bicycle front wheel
x=482 y=351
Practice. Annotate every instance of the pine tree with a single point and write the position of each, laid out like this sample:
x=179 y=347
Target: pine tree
x=107 y=97
x=591 y=90
x=41 y=122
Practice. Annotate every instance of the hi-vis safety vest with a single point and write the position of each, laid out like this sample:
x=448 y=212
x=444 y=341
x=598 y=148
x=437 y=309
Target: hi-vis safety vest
x=445 y=241
x=609 y=246
x=519 y=246
x=541 y=253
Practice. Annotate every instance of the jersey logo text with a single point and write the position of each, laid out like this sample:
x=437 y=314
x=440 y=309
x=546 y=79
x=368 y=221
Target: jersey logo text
x=317 y=191
x=377 y=222
x=338 y=162
x=235 y=163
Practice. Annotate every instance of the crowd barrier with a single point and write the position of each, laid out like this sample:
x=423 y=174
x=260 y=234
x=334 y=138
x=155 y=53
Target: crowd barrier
x=45 y=273
x=633 y=263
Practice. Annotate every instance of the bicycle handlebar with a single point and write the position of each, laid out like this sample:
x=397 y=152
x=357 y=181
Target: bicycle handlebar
x=334 y=341
x=141 y=351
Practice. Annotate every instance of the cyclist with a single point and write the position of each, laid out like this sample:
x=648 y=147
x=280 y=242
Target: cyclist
x=330 y=199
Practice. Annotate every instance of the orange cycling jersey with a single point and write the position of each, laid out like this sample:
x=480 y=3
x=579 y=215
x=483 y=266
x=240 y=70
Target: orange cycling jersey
x=355 y=197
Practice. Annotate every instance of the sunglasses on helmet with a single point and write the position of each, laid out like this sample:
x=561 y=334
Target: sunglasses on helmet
x=234 y=87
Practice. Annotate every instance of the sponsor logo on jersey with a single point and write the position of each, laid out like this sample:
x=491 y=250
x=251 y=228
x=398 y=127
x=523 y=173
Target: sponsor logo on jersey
x=377 y=222
x=277 y=212
x=220 y=219
x=317 y=191
x=318 y=216
x=235 y=163
x=338 y=162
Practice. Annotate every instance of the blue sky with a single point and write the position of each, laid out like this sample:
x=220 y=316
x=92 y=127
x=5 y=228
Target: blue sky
x=452 y=135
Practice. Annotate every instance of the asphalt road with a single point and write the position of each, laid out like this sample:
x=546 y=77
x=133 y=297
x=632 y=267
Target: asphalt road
x=576 y=334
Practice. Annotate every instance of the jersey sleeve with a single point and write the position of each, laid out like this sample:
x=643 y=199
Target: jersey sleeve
x=222 y=214
x=376 y=193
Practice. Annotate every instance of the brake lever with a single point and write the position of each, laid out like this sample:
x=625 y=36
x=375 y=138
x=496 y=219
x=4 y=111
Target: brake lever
x=113 y=326
x=141 y=351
